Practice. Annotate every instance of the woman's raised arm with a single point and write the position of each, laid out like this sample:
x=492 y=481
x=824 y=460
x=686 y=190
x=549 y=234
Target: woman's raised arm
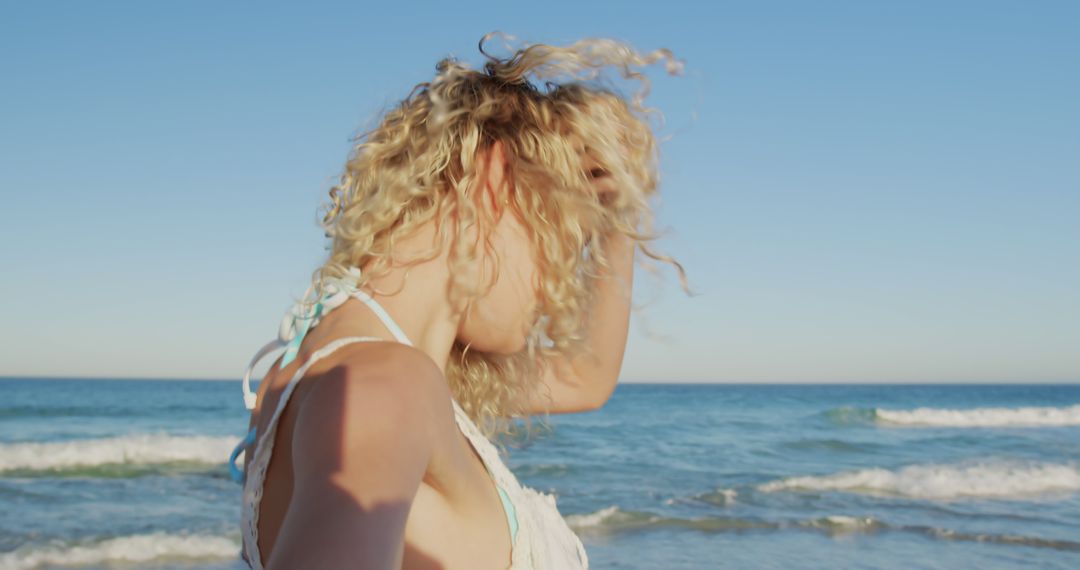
x=588 y=381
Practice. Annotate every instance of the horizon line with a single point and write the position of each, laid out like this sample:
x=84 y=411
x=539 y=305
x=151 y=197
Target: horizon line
x=894 y=382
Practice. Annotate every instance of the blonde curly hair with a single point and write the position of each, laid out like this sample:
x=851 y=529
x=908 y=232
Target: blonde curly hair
x=420 y=161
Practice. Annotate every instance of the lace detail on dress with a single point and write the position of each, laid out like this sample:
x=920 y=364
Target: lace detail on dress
x=544 y=540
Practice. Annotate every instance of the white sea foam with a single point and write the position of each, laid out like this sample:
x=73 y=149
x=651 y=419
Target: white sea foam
x=615 y=520
x=982 y=417
x=846 y=521
x=844 y=524
x=721 y=496
x=142 y=449
x=991 y=479
x=137 y=549
x=593 y=519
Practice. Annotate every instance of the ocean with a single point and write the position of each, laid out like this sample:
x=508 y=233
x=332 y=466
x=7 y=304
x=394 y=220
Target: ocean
x=132 y=474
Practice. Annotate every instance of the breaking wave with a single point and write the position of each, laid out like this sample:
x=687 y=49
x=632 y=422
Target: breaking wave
x=1030 y=416
x=613 y=520
x=990 y=479
x=136 y=549
x=982 y=417
x=114 y=456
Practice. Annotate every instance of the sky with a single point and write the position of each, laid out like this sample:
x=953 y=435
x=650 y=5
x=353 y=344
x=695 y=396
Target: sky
x=859 y=191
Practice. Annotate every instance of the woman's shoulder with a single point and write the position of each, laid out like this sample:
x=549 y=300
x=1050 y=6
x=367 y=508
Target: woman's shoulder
x=395 y=368
x=376 y=387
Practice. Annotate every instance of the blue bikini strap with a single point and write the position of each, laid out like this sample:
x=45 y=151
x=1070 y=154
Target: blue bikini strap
x=294 y=327
x=299 y=319
x=235 y=472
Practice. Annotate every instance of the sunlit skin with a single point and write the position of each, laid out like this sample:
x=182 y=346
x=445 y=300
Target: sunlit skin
x=369 y=468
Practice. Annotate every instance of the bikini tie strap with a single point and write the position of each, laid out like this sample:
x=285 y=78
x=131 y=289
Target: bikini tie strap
x=298 y=320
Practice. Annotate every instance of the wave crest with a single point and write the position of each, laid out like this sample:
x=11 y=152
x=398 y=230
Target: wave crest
x=998 y=479
x=140 y=549
x=982 y=417
x=612 y=520
x=138 y=450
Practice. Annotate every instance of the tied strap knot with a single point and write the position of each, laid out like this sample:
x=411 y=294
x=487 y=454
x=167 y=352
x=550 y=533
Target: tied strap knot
x=298 y=320
x=294 y=326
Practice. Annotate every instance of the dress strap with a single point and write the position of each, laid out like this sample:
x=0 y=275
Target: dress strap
x=315 y=357
x=249 y=395
x=284 y=399
x=294 y=326
x=301 y=318
x=385 y=317
x=264 y=448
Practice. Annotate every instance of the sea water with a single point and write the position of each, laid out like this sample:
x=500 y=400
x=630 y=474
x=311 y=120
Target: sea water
x=132 y=474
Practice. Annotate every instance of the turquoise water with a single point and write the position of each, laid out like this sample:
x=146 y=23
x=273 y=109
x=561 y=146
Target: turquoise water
x=123 y=474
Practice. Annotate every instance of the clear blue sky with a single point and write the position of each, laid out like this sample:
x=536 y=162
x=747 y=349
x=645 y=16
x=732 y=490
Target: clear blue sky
x=860 y=191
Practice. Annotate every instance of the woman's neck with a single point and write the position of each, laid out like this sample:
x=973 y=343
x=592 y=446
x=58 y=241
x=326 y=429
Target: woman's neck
x=418 y=305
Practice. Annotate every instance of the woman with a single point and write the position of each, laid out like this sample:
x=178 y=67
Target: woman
x=482 y=251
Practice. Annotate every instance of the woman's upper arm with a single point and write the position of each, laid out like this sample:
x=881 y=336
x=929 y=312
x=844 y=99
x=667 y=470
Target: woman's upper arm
x=361 y=445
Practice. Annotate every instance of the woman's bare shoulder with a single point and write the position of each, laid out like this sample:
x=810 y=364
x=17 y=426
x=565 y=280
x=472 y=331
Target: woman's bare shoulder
x=401 y=368
x=378 y=386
